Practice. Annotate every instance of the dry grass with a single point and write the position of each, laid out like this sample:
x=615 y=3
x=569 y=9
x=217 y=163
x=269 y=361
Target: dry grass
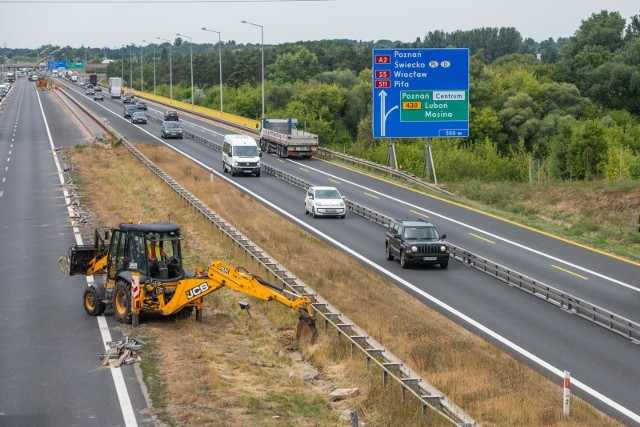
x=230 y=371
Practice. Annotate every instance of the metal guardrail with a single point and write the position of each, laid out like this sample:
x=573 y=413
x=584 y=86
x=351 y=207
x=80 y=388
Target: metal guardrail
x=365 y=164
x=591 y=312
x=391 y=366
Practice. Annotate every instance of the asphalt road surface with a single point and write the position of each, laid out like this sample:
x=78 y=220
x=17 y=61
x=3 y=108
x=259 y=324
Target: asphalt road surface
x=50 y=373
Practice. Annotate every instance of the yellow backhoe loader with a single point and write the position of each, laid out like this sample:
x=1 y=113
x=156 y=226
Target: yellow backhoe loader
x=142 y=264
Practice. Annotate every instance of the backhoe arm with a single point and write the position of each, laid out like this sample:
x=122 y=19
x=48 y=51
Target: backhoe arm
x=245 y=282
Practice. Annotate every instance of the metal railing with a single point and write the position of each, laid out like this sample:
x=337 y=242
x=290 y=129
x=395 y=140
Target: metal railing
x=391 y=366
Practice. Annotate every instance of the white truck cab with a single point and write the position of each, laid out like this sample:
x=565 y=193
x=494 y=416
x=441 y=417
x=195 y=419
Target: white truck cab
x=240 y=155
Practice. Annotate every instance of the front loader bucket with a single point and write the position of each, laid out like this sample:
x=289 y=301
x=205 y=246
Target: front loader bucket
x=306 y=332
x=78 y=259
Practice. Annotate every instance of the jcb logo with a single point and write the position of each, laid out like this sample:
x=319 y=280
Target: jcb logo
x=198 y=290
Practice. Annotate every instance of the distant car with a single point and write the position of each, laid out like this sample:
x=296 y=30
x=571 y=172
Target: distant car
x=141 y=105
x=171 y=115
x=126 y=100
x=129 y=110
x=416 y=242
x=324 y=201
x=138 y=117
x=90 y=91
x=171 y=129
x=97 y=89
x=97 y=96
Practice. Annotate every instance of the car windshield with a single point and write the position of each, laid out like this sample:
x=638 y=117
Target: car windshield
x=245 y=151
x=328 y=194
x=171 y=125
x=422 y=233
x=138 y=115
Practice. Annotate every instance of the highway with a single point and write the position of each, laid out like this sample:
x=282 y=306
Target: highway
x=50 y=373
x=602 y=364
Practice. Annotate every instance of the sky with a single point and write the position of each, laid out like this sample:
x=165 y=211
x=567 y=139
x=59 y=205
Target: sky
x=32 y=23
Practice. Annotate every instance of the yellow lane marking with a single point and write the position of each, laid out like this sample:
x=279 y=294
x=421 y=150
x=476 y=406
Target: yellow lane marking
x=335 y=180
x=280 y=160
x=482 y=238
x=418 y=213
x=372 y=195
x=304 y=170
x=526 y=227
x=569 y=272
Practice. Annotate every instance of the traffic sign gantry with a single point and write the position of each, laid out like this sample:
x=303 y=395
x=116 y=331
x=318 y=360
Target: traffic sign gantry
x=420 y=93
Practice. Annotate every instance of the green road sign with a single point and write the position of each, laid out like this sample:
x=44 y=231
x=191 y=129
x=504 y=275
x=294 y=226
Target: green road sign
x=434 y=105
x=76 y=65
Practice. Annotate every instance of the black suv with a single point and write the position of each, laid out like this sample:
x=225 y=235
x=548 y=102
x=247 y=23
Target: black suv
x=416 y=241
x=170 y=115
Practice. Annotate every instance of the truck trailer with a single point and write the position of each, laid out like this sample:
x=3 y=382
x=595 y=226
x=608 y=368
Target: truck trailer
x=115 y=87
x=282 y=137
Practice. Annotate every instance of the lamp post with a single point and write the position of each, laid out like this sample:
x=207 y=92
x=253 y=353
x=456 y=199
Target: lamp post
x=141 y=71
x=154 y=67
x=262 y=62
x=220 y=61
x=130 y=69
x=170 y=73
x=122 y=71
x=191 y=53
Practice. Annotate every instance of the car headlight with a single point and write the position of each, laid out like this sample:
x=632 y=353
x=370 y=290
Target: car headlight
x=414 y=249
x=443 y=248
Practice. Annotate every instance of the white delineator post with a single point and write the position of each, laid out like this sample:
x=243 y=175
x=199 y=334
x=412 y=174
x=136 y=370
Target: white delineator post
x=566 y=394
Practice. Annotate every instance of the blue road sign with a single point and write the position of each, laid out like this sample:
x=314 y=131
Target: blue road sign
x=54 y=65
x=420 y=93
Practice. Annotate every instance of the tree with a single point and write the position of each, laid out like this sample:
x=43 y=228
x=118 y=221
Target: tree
x=300 y=65
x=587 y=151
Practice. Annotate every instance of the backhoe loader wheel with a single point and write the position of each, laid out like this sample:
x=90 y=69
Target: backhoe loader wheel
x=122 y=301
x=93 y=305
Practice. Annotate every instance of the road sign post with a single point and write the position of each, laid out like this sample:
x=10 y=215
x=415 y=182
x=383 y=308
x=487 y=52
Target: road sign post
x=420 y=93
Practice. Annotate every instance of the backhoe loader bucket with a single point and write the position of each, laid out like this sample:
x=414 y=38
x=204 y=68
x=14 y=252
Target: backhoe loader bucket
x=306 y=332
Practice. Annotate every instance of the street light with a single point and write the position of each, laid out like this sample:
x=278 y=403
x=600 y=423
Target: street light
x=141 y=71
x=170 y=73
x=262 y=48
x=191 y=51
x=122 y=72
x=154 y=67
x=219 y=60
x=130 y=69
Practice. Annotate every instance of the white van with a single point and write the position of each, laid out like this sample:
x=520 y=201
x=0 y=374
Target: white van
x=240 y=155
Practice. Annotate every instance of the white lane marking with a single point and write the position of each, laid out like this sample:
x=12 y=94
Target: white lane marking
x=495 y=236
x=118 y=379
x=1 y=193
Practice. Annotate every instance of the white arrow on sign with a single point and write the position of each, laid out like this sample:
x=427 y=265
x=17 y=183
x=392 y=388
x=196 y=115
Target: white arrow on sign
x=383 y=115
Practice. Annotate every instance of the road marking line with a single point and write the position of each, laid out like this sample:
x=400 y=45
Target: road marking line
x=495 y=236
x=517 y=224
x=121 y=388
x=418 y=213
x=482 y=238
x=371 y=195
x=335 y=180
x=304 y=170
x=569 y=272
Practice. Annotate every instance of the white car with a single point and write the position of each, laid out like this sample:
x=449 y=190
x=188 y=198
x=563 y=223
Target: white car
x=324 y=201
